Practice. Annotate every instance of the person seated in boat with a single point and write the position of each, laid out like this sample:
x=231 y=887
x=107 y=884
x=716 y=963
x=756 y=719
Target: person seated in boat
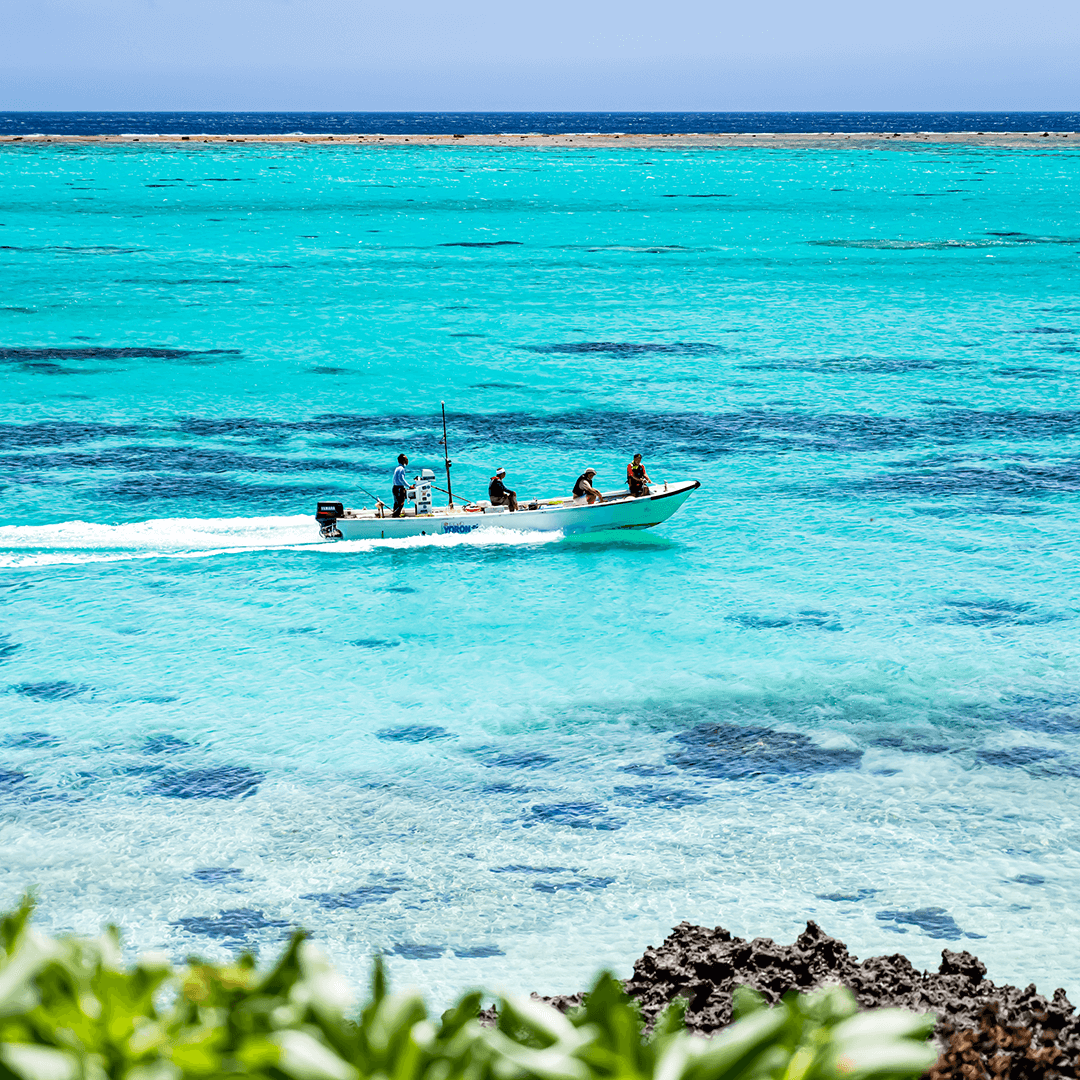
x=499 y=494
x=637 y=477
x=583 y=487
x=401 y=486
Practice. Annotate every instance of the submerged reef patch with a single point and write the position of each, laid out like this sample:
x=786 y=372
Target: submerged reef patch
x=851 y=897
x=696 y=434
x=237 y=924
x=11 y=779
x=572 y=886
x=354 y=898
x=413 y=951
x=996 y=612
x=56 y=690
x=729 y=752
x=669 y=798
x=631 y=348
x=1016 y=756
x=517 y=868
x=935 y=922
x=522 y=759
x=801 y=620
x=477 y=952
x=862 y=365
x=413 y=733
x=501 y=787
x=574 y=815
x=42 y=360
x=645 y=769
x=164 y=744
x=32 y=739
x=217 y=875
x=899 y=742
x=222 y=782
x=79 y=352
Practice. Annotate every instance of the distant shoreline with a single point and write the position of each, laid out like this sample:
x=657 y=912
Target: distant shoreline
x=794 y=140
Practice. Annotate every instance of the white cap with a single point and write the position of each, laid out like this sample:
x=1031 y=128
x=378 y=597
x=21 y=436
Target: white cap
x=500 y=471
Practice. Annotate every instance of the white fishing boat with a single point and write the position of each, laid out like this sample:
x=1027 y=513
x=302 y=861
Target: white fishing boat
x=614 y=510
x=568 y=515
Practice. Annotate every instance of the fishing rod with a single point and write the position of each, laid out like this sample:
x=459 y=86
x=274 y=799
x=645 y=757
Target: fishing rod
x=446 y=455
x=378 y=501
x=445 y=492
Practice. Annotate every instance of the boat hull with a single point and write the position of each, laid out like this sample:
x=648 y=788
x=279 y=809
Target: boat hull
x=617 y=511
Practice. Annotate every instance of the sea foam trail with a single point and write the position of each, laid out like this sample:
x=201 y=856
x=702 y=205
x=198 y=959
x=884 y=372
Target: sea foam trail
x=77 y=542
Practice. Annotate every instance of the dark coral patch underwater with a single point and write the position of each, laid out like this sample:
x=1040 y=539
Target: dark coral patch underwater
x=54 y=690
x=729 y=752
x=236 y=925
x=935 y=922
x=217 y=875
x=222 y=782
x=413 y=733
x=413 y=951
x=353 y=898
x=574 y=815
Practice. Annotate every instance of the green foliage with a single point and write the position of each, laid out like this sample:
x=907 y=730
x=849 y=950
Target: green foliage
x=70 y=1009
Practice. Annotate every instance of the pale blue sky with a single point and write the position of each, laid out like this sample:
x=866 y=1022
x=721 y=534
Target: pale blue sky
x=554 y=55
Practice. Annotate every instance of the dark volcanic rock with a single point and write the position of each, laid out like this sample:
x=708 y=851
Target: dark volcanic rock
x=984 y=1030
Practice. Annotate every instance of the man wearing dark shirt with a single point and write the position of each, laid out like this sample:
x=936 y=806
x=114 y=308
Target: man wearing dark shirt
x=583 y=487
x=499 y=494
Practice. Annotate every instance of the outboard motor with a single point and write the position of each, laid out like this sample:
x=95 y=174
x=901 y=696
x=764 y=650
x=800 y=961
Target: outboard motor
x=420 y=492
x=327 y=514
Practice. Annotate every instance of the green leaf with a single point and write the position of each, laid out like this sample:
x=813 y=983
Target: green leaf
x=746 y=1000
x=303 y=1057
x=39 y=1062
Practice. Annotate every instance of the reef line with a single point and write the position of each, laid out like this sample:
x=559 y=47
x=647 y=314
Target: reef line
x=593 y=140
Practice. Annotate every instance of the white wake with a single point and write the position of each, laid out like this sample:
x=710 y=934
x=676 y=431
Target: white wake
x=74 y=542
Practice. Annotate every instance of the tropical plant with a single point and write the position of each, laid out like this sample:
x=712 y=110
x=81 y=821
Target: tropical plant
x=71 y=1009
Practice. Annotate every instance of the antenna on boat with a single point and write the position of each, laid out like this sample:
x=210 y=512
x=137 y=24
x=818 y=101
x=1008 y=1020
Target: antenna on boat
x=446 y=455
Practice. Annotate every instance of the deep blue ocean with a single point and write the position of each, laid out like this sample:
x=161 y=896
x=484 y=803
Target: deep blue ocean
x=446 y=123
x=842 y=683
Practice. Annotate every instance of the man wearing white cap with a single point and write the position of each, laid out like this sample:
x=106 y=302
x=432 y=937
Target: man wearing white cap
x=584 y=486
x=499 y=494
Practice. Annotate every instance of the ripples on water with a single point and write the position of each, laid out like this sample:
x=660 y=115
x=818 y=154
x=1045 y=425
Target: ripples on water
x=447 y=123
x=840 y=683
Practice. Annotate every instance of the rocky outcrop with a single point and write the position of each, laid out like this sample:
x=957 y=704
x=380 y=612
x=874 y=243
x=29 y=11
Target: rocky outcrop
x=986 y=1032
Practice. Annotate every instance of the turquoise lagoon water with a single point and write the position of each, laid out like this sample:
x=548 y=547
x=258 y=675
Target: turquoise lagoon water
x=840 y=684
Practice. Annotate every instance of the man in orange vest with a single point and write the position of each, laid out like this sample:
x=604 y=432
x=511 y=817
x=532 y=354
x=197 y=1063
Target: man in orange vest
x=637 y=477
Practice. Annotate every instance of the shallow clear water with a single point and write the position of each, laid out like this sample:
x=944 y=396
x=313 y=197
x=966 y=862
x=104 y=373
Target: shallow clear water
x=498 y=759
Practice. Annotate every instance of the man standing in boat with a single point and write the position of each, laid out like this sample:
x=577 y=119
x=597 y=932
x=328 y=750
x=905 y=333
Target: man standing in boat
x=400 y=486
x=499 y=494
x=637 y=477
x=583 y=486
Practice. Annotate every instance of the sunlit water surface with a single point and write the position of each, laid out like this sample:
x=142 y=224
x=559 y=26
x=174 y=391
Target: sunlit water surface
x=840 y=684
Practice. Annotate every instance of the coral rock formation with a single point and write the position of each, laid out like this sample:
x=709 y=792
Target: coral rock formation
x=986 y=1032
